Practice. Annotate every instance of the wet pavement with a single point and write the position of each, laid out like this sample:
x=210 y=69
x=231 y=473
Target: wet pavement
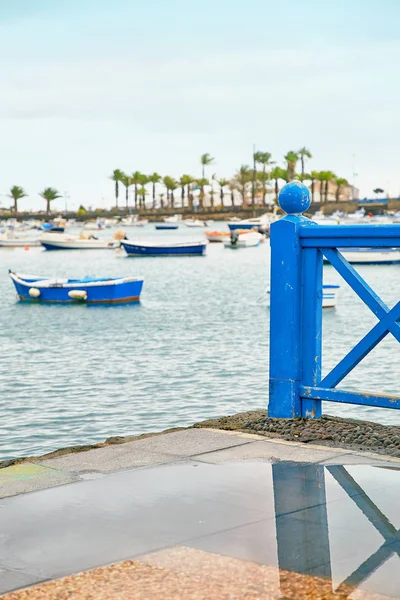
x=338 y=525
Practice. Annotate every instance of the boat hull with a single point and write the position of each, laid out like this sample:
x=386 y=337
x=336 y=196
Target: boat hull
x=233 y=226
x=77 y=244
x=135 y=249
x=101 y=292
x=166 y=227
x=330 y=295
x=217 y=236
x=366 y=256
x=245 y=240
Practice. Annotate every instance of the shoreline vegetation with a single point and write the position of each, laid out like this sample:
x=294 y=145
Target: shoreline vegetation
x=251 y=189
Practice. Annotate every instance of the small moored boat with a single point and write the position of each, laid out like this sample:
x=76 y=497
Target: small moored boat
x=166 y=226
x=73 y=291
x=330 y=295
x=243 y=240
x=166 y=248
x=261 y=223
x=217 y=236
x=52 y=241
x=173 y=219
x=371 y=256
x=193 y=223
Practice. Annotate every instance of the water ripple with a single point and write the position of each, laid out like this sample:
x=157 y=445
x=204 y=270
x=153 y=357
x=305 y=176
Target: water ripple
x=196 y=347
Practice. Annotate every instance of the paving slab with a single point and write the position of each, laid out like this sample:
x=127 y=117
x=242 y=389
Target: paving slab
x=107 y=460
x=13 y=580
x=28 y=477
x=354 y=458
x=271 y=450
x=150 y=451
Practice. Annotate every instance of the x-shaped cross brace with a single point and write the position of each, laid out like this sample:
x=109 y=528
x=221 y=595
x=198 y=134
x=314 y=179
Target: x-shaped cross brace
x=381 y=523
x=387 y=319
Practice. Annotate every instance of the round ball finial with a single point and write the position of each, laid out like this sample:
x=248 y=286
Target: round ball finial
x=294 y=198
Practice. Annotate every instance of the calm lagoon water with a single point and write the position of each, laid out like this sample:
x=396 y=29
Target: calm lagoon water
x=195 y=347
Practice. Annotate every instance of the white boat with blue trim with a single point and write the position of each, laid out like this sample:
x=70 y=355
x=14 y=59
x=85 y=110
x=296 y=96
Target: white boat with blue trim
x=330 y=296
x=72 y=291
x=371 y=256
x=59 y=241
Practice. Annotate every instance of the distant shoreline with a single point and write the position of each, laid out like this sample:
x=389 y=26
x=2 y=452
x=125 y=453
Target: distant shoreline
x=205 y=214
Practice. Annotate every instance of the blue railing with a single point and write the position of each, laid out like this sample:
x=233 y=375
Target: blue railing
x=298 y=247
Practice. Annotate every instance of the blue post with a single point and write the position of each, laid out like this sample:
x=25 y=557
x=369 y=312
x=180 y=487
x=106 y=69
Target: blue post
x=311 y=327
x=286 y=360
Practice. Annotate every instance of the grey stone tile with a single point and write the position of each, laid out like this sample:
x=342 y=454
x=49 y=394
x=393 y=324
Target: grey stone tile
x=143 y=453
x=271 y=451
x=255 y=542
x=359 y=459
x=80 y=526
x=29 y=477
x=190 y=442
x=14 y=580
x=108 y=460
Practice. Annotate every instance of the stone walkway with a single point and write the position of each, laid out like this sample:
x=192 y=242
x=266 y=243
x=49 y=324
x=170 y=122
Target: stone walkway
x=169 y=505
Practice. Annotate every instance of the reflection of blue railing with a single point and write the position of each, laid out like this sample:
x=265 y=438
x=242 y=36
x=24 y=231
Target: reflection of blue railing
x=302 y=531
x=298 y=246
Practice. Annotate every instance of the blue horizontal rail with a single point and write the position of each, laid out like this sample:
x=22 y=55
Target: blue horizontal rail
x=298 y=246
x=363 y=398
x=350 y=236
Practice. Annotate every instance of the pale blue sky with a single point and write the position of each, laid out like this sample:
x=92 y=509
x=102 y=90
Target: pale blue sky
x=89 y=86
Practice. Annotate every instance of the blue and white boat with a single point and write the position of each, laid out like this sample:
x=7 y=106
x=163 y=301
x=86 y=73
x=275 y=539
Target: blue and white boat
x=52 y=227
x=75 y=291
x=166 y=226
x=260 y=223
x=166 y=248
x=330 y=295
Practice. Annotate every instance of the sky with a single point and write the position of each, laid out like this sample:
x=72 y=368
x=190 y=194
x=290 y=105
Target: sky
x=89 y=86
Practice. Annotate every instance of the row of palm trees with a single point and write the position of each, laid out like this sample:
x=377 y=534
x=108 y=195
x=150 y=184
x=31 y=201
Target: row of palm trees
x=186 y=183
x=246 y=178
x=48 y=194
x=263 y=177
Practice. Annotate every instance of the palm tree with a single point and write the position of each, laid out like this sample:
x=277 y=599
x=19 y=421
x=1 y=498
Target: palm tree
x=212 y=191
x=330 y=176
x=126 y=181
x=321 y=177
x=205 y=160
x=340 y=181
x=117 y=177
x=144 y=180
x=142 y=195
x=171 y=185
x=313 y=178
x=232 y=186
x=242 y=178
x=136 y=180
x=49 y=194
x=263 y=158
x=185 y=180
x=303 y=153
x=325 y=177
x=276 y=174
x=16 y=193
x=291 y=159
x=201 y=183
x=154 y=178
x=222 y=183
